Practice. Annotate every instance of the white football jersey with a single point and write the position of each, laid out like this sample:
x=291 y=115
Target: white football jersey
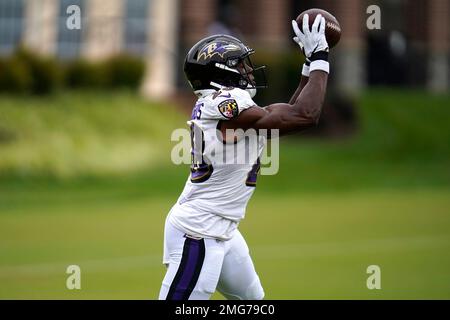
x=223 y=175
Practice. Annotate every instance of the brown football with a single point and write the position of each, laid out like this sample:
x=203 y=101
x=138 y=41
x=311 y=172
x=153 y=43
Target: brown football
x=332 y=28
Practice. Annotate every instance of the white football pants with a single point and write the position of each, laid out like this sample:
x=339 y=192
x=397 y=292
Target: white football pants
x=197 y=267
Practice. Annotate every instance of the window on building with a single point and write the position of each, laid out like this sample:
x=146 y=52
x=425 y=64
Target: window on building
x=11 y=24
x=69 y=41
x=136 y=26
x=228 y=19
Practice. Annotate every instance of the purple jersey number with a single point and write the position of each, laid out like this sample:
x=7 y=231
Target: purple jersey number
x=200 y=170
x=197 y=111
x=253 y=174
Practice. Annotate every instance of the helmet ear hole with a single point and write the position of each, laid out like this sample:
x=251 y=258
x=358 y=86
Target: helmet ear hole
x=243 y=83
x=232 y=63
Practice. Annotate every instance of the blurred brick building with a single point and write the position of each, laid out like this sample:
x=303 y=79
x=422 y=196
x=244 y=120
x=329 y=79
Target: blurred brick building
x=413 y=39
x=411 y=48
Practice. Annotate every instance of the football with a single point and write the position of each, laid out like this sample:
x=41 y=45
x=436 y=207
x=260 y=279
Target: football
x=332 y=28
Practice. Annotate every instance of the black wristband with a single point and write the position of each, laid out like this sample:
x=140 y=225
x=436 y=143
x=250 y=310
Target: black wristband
x=321 y=55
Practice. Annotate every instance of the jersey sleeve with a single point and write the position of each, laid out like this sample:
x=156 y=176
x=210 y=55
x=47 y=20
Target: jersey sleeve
x=227 y=104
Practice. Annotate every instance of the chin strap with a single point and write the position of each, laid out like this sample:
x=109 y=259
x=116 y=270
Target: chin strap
x=216 y=85
x=251 y=90
x=203 y=92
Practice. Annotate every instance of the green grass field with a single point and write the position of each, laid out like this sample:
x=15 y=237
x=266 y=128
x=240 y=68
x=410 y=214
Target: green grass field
x=304 y=247
x=380 y=198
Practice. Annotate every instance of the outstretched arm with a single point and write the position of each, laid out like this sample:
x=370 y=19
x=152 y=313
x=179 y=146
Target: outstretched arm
x=288 y=118
x=305 y=69
x=302 y=84
x=305 y=106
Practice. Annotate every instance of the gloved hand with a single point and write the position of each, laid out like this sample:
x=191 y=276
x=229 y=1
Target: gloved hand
x=311 y=41
x=313 y=44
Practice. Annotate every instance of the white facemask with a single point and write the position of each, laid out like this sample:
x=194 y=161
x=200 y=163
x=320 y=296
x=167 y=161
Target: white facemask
x=251 y=90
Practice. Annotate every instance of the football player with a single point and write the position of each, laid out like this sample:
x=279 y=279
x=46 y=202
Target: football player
x=203 y=248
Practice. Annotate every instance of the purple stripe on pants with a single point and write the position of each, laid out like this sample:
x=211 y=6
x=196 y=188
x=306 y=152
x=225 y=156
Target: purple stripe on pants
x=190 y=269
